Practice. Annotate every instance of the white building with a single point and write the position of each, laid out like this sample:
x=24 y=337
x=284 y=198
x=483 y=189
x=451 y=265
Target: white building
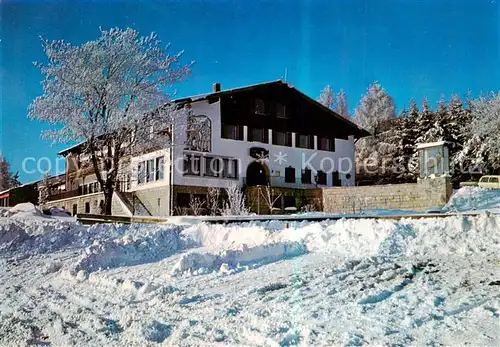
x=265 y=134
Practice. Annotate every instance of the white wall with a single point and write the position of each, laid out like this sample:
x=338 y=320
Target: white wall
x=295 y=157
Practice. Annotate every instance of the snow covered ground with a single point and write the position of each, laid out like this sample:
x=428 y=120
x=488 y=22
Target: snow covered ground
x=348 y=282
x=475 y=199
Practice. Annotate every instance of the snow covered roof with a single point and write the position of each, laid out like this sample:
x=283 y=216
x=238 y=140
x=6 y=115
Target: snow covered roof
x=432 y=144
x=69 y=149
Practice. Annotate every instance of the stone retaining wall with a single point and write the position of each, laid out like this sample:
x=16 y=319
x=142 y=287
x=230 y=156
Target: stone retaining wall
x=418 y=196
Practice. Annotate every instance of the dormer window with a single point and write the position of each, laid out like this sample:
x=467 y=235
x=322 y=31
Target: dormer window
x=260 y=106
x=281 y=110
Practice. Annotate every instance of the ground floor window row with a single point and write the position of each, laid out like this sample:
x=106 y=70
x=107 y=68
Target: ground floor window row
x=306 y=177
x=94 y=206
x=209 y=166
x=90 y=188
x=280 y=138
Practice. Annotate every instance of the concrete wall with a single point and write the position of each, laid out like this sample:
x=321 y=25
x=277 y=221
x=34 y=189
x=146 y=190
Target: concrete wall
x=418 y=196
x=156 y=200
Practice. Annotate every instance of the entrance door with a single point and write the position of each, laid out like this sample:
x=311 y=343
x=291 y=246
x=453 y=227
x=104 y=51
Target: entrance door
x=257 y=174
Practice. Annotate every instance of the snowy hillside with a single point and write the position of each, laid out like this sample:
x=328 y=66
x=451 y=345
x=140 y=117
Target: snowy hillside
x=349 y=282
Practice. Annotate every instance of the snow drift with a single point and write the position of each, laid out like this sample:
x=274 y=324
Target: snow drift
x=346 y=282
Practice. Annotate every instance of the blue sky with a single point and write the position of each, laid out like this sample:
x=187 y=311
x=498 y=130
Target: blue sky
x=413 y=48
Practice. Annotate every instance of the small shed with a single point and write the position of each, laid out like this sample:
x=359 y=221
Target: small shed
x=433 y=159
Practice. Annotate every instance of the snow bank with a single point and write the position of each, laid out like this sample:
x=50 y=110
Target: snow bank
x=232 y=246
x=159 y=243
x=474 y=198
x=229 y=261
x=26 y=210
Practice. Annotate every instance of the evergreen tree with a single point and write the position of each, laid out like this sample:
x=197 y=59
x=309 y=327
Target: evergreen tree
x=425 y=123
x=439 y=129
x=326 y=97
x=7 y=178
x=341 y=106
x=483 y=147
x=375 y=109
x=375 y=113
x=409 y=143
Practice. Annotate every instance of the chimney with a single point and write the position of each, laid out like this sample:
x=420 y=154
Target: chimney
x=216 y=87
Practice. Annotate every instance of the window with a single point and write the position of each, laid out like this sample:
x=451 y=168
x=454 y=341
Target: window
x=233 y=132
x=183 y=199
x=212 y=166
x=90 y=188
x=282 y=138
x=150 y=170
x=75 y=209
x=305 y=141
x=160 y=167
x=277 y=201
x=192 y=165
x=96 y=187
x=306 y=176
x=326 y=144
x=87 y=207
x=280 y=110
x=289 y=201
x=493 y=179
x=258 y=135
x=290 y=175
x=321 y=178
x=230 y=168
x=336 y=181
x=128 y=182
x=141 y=173
x=260 y=106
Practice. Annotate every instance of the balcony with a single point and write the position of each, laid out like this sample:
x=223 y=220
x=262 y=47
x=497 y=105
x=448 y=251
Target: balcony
x=65 y=195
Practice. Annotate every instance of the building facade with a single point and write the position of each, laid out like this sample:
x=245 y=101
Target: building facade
x=267 y=134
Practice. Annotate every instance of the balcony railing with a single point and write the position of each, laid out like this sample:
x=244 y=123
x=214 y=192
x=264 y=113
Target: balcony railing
x=65 y=195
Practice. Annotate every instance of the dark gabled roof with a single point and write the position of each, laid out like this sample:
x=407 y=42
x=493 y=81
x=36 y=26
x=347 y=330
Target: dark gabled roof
x=358 y=132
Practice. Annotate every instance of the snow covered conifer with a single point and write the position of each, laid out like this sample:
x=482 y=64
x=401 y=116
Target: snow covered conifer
x=341 y=106
x=425 y=123
x=375 y=109
x=374 y=113
x=7 y=178
x=110 y=93
x=326 y=97
x=485 y=127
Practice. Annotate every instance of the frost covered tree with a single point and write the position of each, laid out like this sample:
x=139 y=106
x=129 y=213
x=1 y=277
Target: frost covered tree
x=235 y=202
x=375 y=113
x=7 y=178
x=110 y=93
x=327 y=97
x=375 y=109
x=484 y=145
x=341 y=106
